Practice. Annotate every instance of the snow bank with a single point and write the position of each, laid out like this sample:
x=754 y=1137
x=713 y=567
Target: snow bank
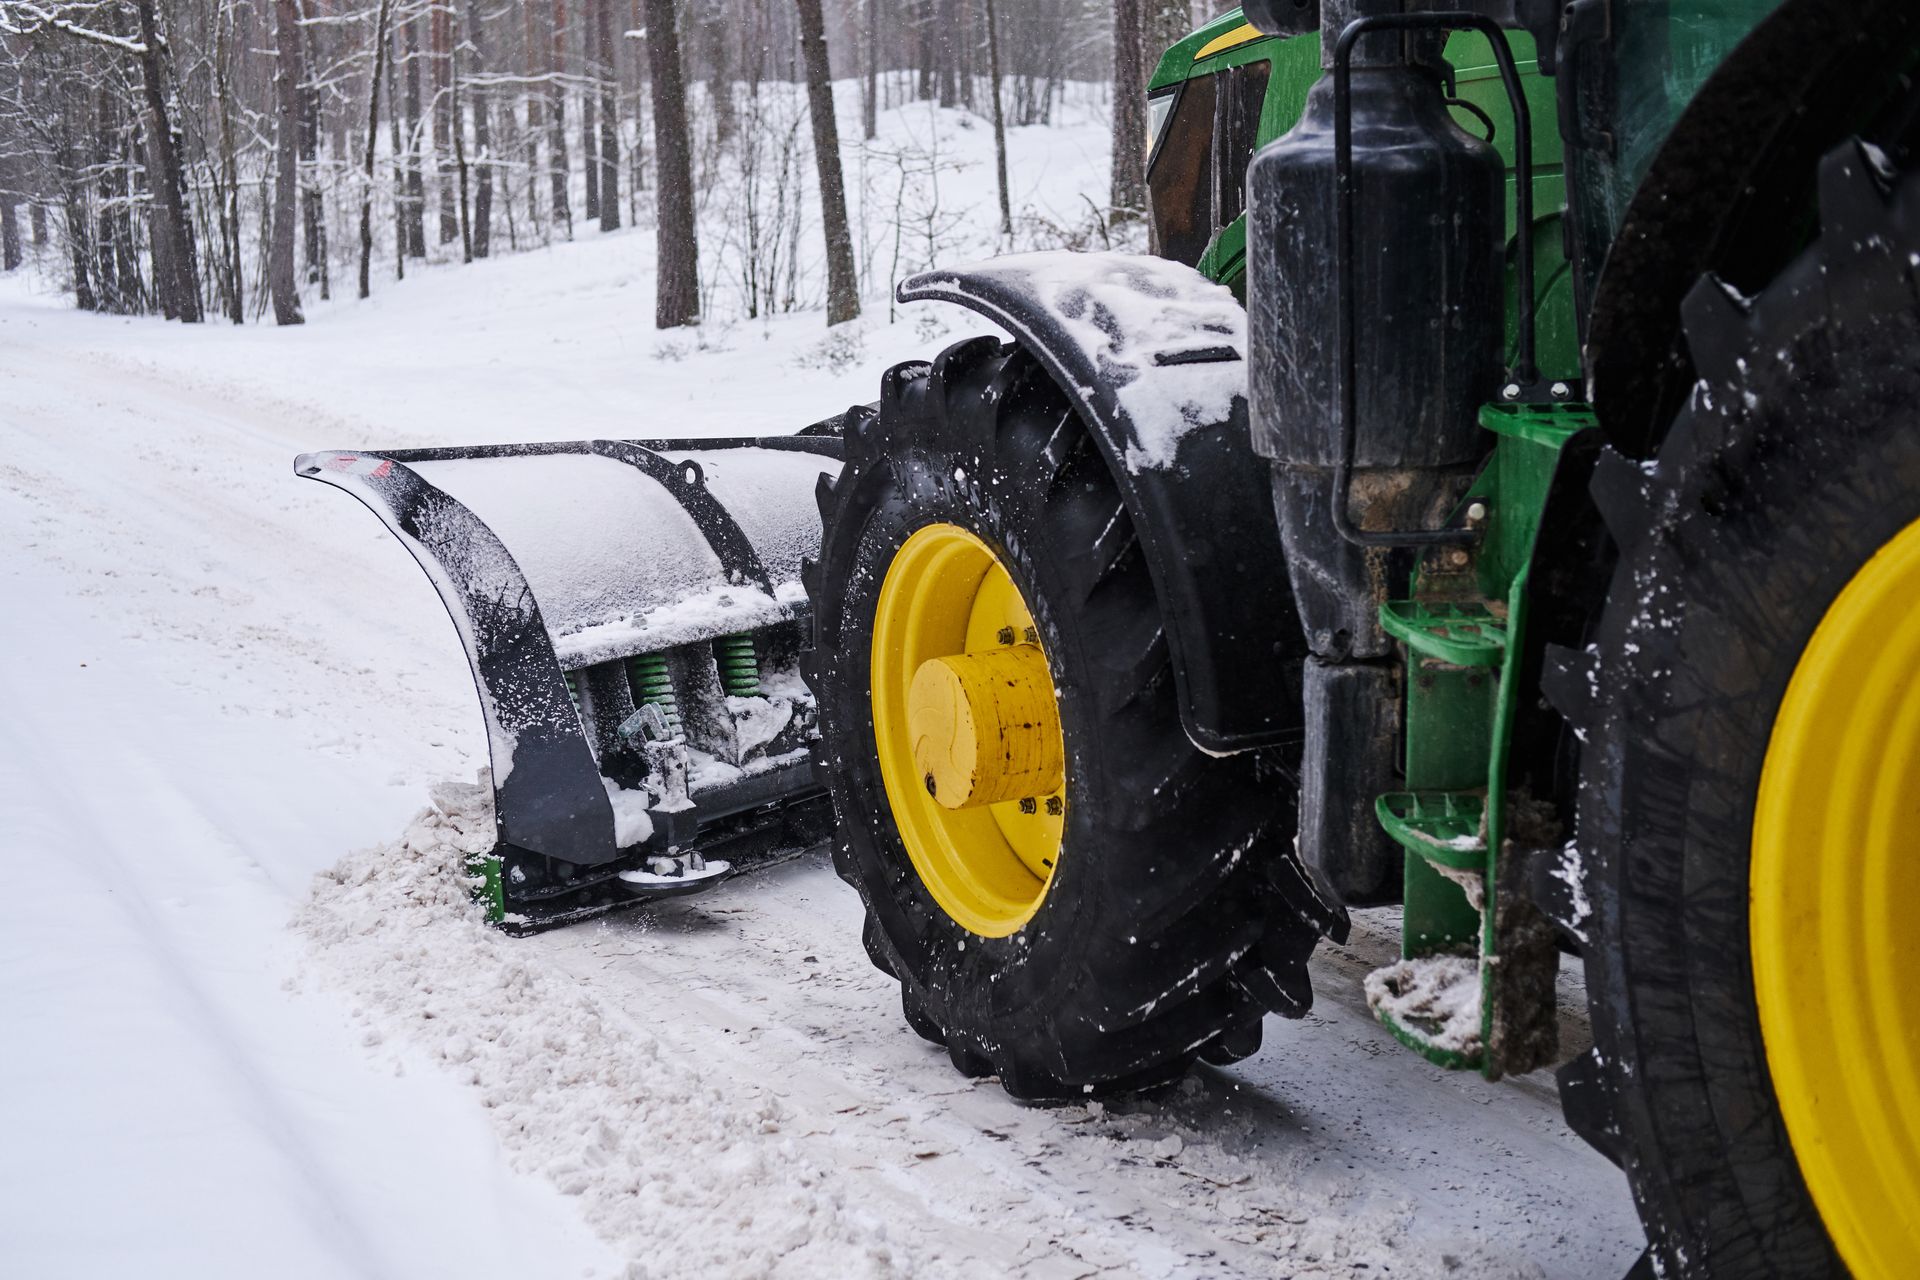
x=682 y=1177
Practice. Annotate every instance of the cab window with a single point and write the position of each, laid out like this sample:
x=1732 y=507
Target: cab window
x=1197 y=171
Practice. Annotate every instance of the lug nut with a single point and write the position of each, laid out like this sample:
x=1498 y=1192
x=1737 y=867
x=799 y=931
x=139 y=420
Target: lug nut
x=1458 y=559
x=1510 y=392
x=1028 y=805
x=1005 y=636
x=1560 y=390
x=1476 y=513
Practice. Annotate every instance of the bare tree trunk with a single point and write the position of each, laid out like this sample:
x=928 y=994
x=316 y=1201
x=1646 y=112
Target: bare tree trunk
x=398 y=148
x=381 y=18
x=1167 y=22
x=81 y=252
x=287 y=77
x=589 y=125
x=843 y=287
x=312 y=214
x=999 y=122
x=534 y=50
x=482 y=100
x=719 y=35
x=234 y=283
x=964 y=51
x=678 y=298
x=557 y=120
x=609 y=83
x=416 y=177
x=445 y=122
x=871 y=105
x=37 y=219
x=1129 y=191
x=179 y=290
x=10 y=252
x=460 y=156
x=923 y=20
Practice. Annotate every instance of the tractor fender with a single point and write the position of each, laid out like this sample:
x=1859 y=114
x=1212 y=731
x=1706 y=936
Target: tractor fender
x=1153 y=356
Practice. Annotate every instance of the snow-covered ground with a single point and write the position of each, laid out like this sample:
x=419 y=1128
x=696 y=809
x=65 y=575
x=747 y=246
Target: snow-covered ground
x=218 y=682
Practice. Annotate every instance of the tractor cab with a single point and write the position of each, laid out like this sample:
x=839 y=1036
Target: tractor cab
x=1228 y=89
x=1206 y=105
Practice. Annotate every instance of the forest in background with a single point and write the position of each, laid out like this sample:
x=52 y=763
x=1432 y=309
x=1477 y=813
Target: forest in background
x=202 y=159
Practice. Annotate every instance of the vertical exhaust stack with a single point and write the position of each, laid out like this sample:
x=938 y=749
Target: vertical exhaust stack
x=1422 y=285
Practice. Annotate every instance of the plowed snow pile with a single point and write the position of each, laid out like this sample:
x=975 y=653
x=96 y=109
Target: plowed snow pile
x=684 y=1179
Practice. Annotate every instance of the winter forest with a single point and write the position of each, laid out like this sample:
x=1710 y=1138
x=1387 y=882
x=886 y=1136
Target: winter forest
x=237 y=159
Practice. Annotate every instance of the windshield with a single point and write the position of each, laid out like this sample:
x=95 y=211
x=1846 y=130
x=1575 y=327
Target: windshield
x=1197 y=170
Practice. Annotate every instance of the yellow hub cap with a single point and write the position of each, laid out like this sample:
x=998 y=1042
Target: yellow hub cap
x=1835 y=934
x=967 y=724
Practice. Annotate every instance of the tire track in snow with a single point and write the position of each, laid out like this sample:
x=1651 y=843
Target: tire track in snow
x=760 y=992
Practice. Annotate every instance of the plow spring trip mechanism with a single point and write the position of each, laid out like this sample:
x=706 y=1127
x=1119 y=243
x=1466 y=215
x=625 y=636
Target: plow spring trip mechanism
x=632 y=615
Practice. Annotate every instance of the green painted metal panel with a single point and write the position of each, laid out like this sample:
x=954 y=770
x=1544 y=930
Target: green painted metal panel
x=1662 y=52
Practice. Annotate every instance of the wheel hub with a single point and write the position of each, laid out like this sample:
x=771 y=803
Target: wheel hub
x=966 y=724
x=985 y=727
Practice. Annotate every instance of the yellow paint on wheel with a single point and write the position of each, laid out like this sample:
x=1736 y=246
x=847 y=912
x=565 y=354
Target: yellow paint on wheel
x=966 y=723
x=1835 y=918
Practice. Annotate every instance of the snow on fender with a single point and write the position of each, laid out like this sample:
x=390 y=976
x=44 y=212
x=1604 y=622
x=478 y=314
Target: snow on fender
x=1167 y=344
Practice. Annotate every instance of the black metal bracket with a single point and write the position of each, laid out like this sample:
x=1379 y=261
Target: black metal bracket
x=1526 y=370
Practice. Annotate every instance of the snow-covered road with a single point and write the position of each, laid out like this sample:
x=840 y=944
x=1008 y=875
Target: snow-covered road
x=217 y=681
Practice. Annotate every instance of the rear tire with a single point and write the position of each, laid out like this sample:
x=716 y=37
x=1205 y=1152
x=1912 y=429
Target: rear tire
x=1161 y=929
x=1797 y=461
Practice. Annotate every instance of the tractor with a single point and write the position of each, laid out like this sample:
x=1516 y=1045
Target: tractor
x=1498 y=495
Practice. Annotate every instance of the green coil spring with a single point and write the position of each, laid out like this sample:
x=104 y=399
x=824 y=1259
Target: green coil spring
x=651 y=682
x=739 y=667
x=573 y=691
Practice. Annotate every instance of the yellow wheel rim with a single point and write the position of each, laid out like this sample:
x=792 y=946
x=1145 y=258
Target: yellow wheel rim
x=1836 y=941
x=966 y=721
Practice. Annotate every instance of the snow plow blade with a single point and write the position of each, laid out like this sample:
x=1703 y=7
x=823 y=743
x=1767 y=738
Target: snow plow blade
x=632 y=614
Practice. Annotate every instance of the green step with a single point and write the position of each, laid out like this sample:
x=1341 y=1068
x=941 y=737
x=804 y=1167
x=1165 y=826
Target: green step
x=1447 y=828
x=1463 y=634
x=1547 y=424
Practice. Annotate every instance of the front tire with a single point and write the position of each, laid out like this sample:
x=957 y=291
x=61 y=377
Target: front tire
x=1158 y=934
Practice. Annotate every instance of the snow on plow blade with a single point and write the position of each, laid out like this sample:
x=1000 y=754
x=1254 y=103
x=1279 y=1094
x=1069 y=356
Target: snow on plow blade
x=632 y=613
